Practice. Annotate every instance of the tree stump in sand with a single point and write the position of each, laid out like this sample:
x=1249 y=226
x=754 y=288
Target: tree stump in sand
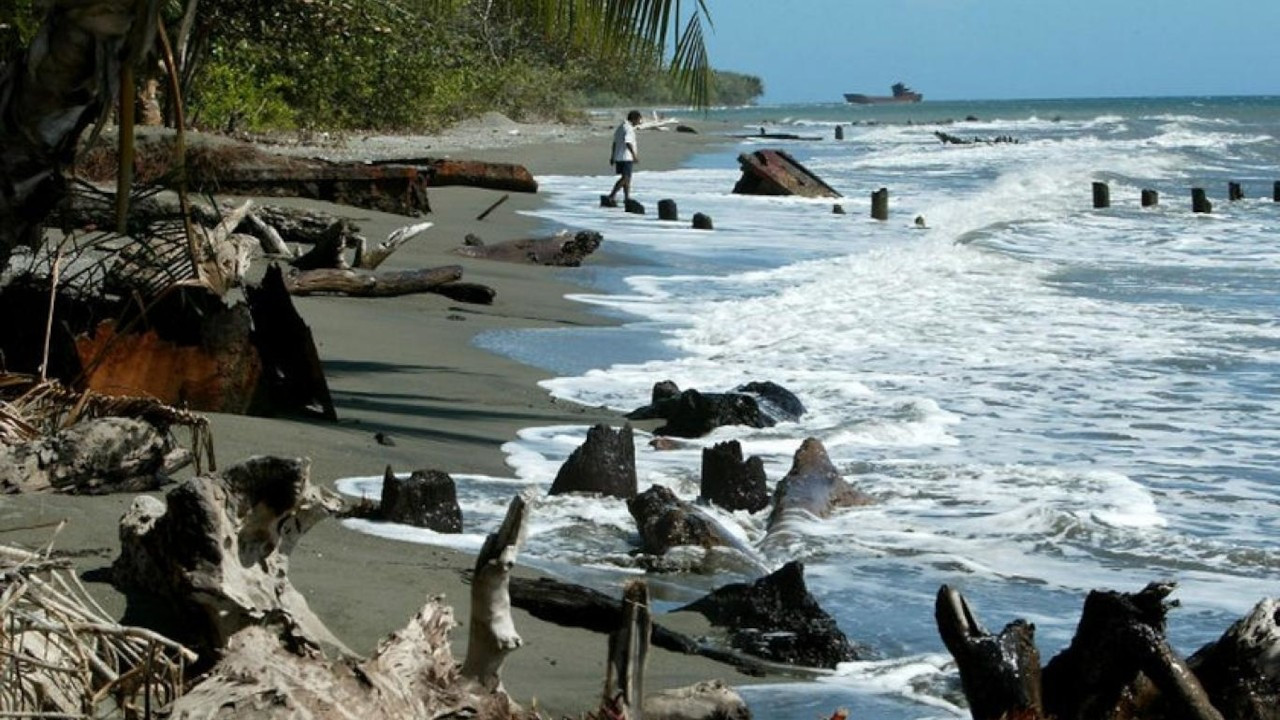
x=427 y=498
x=732 y=483
x=605 y=463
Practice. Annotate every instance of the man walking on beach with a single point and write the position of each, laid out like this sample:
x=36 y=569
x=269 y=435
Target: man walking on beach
x=624 y=157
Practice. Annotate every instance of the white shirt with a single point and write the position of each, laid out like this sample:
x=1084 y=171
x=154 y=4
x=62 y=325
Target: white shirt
x=626 y=133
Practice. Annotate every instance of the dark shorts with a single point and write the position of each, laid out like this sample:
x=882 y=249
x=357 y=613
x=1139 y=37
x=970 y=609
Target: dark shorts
x=624 y=167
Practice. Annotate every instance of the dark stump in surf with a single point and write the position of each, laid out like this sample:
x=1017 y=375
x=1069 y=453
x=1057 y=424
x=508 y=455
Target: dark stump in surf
x=665 y=521
x=776 y=618
x=605 y=463
x=1239 y=671
x=692 y=414
x=732 y=483
x=813 y=485
x=427 y=498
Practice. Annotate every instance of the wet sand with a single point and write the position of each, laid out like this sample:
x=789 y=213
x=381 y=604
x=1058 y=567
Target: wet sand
x=405 y=367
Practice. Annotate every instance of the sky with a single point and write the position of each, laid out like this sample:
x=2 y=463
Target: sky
x=816 y=50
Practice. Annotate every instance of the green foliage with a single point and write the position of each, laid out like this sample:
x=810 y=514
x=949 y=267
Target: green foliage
x=423 y=64
x=18 y=22
x=654 y=87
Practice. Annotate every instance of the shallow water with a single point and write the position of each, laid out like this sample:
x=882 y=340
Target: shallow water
x=1044 y=398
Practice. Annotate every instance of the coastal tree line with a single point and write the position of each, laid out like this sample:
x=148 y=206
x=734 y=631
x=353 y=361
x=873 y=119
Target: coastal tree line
x=420 y=64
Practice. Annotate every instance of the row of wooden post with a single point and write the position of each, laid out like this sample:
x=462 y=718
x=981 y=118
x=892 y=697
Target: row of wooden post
x=1199 y=200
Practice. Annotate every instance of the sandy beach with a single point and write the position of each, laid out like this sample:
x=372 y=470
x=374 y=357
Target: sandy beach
x=405 y=367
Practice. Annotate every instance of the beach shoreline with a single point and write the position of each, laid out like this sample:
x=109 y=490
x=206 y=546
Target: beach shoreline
x=407 y=369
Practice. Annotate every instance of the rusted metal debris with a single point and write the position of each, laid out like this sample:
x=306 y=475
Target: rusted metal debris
x=775 y=172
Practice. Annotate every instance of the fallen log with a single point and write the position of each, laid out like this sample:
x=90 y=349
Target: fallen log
x=329 y=248
x=561 y=249
x=471 y=173
x=581 y=607
x=1000 y=674
x=367 y=283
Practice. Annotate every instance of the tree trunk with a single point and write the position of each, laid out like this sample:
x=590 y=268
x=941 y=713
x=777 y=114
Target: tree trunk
x=492 y=632
x=47 y=98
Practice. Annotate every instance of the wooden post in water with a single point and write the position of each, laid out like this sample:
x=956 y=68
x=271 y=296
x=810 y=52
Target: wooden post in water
x=1150 y=198
x=702 y=221
x=1101 y=195
x=1275 y=193
x=667 y=210
x=837 y=209
x=880 y=204
x=1200 y=203
x=1234 y=192
x=839 y=132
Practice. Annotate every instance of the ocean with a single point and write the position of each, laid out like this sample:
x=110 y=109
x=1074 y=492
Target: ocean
x=1043 y=398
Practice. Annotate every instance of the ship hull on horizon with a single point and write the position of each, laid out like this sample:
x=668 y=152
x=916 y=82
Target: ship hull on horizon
x=860 y=99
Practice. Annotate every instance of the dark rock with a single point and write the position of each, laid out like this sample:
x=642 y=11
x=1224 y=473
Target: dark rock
x=729 y=482
x=702 y=221
x=605 y=464
x=608 y=202
x=667 y=210
x=634 y=206
x=384 y=439
x=427 y=498
x=665 y=521
x=776 y=618
x=692 y=414
x=473 y=240
x=814 y=485
x=686 y=129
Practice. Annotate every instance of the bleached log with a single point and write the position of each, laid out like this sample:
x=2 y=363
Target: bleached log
x=268 y=236
x=370 y=259
x=367 y=283
x=492 y=633
x=92 y=457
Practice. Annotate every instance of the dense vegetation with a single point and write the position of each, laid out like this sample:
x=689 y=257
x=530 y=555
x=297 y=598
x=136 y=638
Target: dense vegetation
x=402 y=64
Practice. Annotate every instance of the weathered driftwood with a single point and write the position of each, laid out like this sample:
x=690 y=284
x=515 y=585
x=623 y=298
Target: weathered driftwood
x=775 y=172
x=291 y=366
x=576 y=606
x=268 y=237
x=217 y=550
x=370 y=258
x=628 y=653
x=492 y=633
x=707 y=700
x=813 y=485
x=605 y=463
x=1118 y=662
x=367 y=283
x=303 y=226
x=91 y=457
x=562 y=249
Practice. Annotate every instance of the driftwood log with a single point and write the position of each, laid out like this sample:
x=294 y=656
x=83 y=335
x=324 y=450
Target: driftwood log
x=110 y=454
x=561 y=249
x=576 y=606
x=492 y=633
x=290 y=362
x=217 y=551
x=368 y=258
x=367 y=283
x=813 y=486
x=629 y=653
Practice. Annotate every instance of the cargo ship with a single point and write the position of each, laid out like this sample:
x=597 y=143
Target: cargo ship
x=901 y=94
